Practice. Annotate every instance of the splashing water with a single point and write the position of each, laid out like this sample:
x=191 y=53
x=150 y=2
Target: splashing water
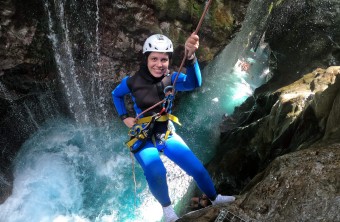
x=74 y=34
x=71 y=170
x=71 y=173
x=227 y=81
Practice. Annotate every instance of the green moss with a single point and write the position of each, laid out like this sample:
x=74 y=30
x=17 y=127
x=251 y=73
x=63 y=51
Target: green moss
x=172 y=9
x=279 y=2
x=204 y=54
x=222 y=18
x=159 y=4
x=196 y=9
x=169 y=9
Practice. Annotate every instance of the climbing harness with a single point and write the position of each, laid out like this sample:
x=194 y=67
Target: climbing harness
x=143 y=130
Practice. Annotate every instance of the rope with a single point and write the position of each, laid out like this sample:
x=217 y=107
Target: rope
x=134 y=180
x=195 y=32
x=172 y=92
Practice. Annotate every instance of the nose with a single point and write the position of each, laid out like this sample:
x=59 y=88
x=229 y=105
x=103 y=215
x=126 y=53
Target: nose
x=159 y=63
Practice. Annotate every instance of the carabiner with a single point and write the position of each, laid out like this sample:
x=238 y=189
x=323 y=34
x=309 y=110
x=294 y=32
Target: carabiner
x=168 y=89
x=135 y=130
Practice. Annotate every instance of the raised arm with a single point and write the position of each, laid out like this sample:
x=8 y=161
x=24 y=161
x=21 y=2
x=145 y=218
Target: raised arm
x=193 y=78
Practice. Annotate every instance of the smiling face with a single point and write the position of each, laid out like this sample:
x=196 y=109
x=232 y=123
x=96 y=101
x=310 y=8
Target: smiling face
x=158 y=63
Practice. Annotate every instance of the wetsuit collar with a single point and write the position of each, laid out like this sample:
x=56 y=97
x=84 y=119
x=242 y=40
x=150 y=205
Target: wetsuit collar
x=145 y=73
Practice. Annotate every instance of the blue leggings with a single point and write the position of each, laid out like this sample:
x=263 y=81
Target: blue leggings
x=177 y=151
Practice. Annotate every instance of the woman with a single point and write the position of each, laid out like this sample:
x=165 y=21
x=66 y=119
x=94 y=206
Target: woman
x=152 y=132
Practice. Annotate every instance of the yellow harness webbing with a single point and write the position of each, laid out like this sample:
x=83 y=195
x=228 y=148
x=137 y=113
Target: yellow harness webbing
x=162 y=118
x=147 y=119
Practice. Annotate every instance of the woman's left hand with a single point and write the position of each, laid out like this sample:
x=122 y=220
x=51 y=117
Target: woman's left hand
x=191 y=45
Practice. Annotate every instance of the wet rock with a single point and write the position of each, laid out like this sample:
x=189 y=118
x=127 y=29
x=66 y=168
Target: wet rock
x=299 y=186
x=113 y=31
x=302 y=117
x=279 y=150
x=297 y=118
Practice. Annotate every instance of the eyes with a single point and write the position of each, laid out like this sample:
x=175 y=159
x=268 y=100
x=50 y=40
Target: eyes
x=155 y=59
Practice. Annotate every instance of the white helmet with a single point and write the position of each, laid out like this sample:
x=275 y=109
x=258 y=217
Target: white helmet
x=158 y=43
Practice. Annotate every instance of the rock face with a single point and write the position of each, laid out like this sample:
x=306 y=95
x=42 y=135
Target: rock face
x=297 y=115
x=292 y=117
x=295 y=150
x=299 y=186
x=134 y=21
x=296 y=184
x=304 y=36
x=111 y=31
x=287 y=167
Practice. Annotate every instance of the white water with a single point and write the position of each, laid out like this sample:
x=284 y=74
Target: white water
x=71 y=170
x=225 y=84
x=63 y=56
x=70 y=173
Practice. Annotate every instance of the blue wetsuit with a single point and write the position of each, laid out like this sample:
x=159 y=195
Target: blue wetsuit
x=147 y=90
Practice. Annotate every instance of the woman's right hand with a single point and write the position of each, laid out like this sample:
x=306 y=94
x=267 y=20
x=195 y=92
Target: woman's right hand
x=191 y=45
x=129 y=122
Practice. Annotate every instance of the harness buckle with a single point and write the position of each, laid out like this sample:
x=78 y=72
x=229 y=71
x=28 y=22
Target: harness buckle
x=135 y=130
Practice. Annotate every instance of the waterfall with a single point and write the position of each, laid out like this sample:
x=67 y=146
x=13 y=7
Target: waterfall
x=63 y=56
x=100 y=85
x=24 y=116
x=76 y=45
x=228 y=81
x=5 y=92
x=79 y=169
